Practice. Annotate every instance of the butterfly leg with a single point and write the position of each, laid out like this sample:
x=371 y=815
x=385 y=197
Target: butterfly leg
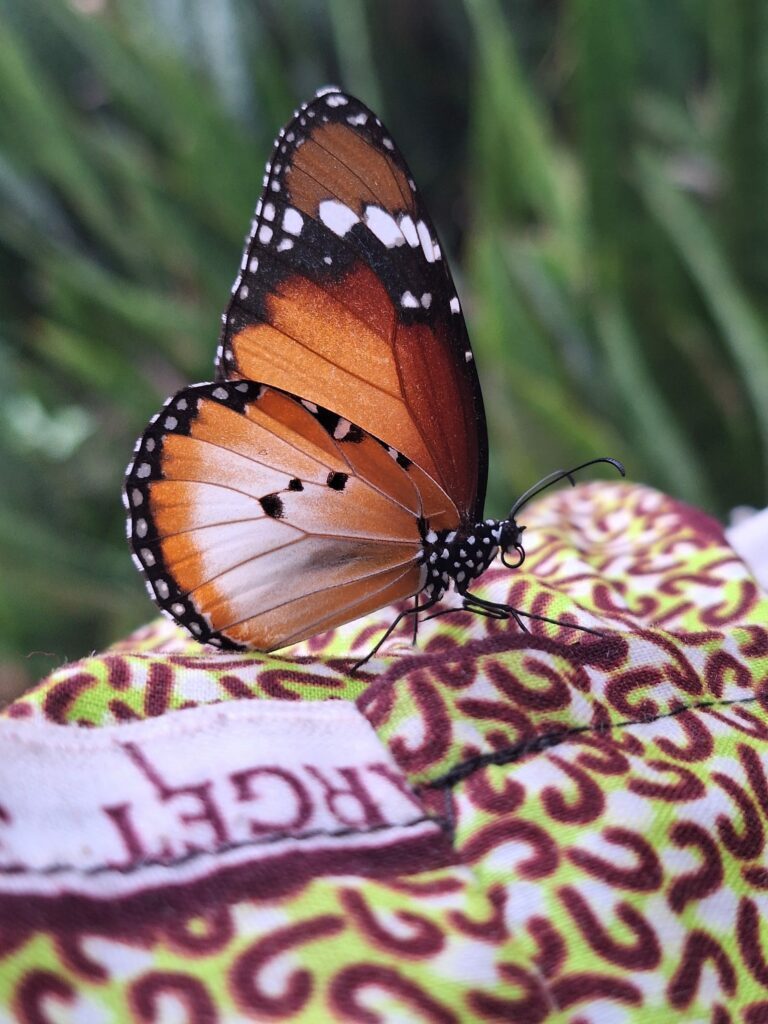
x=479 y=605
x=392 y=626
x=490 y=610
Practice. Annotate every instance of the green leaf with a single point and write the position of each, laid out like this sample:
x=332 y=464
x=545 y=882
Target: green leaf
x=741 y=329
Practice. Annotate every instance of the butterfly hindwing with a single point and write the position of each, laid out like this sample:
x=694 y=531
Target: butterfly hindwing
x=344 y=297
x=259 y=519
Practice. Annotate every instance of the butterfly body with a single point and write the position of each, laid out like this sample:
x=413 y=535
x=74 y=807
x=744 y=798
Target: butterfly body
x=338 y=462
x=458 y=557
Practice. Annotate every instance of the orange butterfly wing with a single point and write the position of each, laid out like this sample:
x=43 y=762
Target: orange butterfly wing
x=344 y=298
x=259 y=519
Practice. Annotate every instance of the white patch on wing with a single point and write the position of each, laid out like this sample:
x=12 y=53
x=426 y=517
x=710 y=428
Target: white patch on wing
x=409 y=230
x=292 y=221
x=265 y=233
x=356 y=119
x=409 y=301
x=455 y=307
x=285 y=244
x=336 y=100
x=342 y=429
x=426 y=242
x=224 y=545
x=426 y=300
x=337 y=216
x=384 y=226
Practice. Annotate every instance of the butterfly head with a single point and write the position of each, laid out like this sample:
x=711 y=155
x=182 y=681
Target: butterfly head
x=511 y=544
x=510 y=534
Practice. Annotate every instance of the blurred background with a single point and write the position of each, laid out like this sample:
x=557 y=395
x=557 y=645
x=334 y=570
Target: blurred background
x=597 y=171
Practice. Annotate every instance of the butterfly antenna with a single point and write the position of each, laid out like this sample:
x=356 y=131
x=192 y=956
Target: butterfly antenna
x=555 y=477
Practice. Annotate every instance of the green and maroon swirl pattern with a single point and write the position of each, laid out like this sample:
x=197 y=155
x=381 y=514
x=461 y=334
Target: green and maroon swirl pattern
x=605 y=798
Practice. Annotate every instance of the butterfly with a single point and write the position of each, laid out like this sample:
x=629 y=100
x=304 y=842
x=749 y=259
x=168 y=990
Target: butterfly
x=338 y=461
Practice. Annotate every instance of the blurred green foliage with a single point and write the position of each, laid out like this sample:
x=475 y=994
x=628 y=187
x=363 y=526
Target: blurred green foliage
x=597 y=169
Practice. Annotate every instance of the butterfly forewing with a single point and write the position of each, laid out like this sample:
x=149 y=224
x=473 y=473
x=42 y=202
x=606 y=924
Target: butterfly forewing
x=260 y=519
x=344 y=297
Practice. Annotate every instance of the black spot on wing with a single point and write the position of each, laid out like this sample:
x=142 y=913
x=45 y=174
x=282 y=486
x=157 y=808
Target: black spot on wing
x=272 y=505
x=337 y=481
x=295 y=485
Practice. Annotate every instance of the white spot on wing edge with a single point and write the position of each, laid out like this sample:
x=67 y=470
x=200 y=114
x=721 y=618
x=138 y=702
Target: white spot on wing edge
x=409 y=301
x=455 y=306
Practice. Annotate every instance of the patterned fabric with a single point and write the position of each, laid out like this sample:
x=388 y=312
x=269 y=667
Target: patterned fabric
x=591 y=810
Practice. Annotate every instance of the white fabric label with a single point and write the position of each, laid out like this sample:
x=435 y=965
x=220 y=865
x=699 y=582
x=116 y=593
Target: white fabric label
x=113 y=811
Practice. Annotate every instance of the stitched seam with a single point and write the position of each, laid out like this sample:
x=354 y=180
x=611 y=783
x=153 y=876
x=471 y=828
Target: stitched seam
x=193 y=855
x=257 y=713
x=552 y=739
